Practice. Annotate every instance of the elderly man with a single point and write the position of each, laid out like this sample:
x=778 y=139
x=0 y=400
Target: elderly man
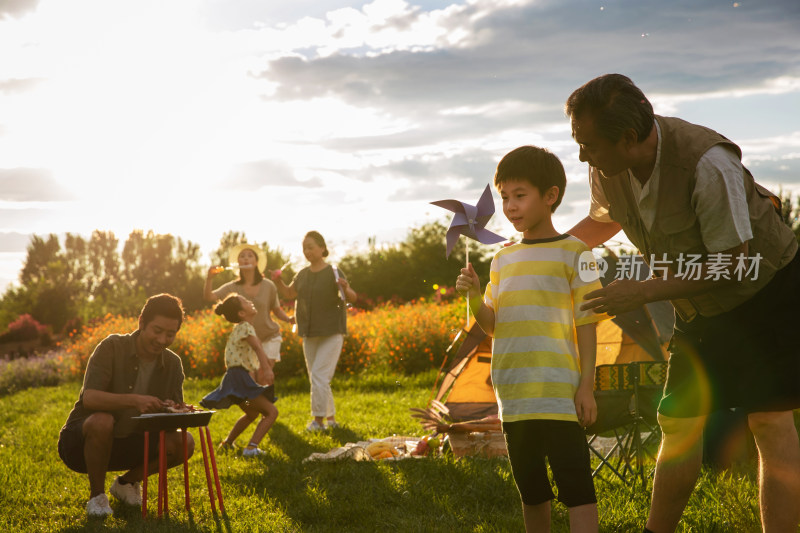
x=126 y=375
x=729 y=265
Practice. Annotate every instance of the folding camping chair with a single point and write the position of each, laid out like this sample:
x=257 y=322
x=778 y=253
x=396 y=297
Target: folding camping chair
x=627 y=397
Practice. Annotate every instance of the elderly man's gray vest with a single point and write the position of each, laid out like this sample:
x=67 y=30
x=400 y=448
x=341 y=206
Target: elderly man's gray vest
x=676 y=230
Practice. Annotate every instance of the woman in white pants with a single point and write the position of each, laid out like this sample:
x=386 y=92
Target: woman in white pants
x=321 y=291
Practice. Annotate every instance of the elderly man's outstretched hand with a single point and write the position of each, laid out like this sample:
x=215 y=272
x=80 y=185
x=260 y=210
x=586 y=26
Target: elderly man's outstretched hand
x=619 y=296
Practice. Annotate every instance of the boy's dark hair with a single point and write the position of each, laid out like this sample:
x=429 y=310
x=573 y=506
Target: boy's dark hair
x=165 y=305
x=615 y=104
x=538 y=166
x=229 y=308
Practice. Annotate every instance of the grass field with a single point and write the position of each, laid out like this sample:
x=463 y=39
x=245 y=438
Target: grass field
x=281 y=493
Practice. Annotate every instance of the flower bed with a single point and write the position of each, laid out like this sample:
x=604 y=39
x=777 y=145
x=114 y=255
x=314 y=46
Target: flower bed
x=406 y=338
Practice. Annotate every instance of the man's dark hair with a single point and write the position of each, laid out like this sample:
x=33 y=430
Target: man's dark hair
x=538 y=166
x=615 y=104
x=165 y=305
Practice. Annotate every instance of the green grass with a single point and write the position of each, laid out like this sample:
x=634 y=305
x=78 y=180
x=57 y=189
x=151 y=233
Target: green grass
x=281 y=493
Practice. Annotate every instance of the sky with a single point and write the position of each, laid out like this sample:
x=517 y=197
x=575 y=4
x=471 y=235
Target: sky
x=195 y=117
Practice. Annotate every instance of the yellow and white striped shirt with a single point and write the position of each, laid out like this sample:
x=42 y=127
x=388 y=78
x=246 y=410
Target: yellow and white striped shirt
x=535 y=291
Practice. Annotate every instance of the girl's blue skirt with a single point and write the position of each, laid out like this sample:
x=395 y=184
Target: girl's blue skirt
x=237 y=386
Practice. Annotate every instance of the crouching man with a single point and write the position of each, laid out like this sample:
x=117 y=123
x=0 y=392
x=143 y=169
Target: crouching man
x=127 y=375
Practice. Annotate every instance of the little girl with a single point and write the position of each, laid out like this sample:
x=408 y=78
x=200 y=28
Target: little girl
x=248 y=377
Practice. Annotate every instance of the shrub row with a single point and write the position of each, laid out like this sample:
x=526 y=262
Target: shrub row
x=407 y=338
x=25 y=328
x=43 y=370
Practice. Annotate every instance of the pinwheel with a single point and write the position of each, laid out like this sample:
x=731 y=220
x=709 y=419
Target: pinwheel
x=470 y=220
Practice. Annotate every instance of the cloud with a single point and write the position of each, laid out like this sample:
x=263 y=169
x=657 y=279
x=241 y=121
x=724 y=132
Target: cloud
x=250 y=13
x=774 y=159
x=16 y=8
x=432 y=175
x=425 y=131
x=367 y=109
x=14 y=85
x=784 y=170
x=12 y=241
x=15 y=218
x=510 y=68
x=255 y=175
x=486 y=77
x=31 y=185
x=541 y=51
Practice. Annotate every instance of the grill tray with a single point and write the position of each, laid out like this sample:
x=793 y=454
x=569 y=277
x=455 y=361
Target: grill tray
x=170 y=421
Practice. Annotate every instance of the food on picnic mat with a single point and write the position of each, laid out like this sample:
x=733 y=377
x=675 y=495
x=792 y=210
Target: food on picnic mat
x=379 y=449
x=428 y=445
x=394 y=448
x=421 y=449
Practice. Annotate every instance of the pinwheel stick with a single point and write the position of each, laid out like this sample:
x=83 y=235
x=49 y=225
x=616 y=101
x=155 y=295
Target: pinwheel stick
x=466 y=248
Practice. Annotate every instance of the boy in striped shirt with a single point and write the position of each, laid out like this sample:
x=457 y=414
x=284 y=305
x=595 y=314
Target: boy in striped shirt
x=543 y=353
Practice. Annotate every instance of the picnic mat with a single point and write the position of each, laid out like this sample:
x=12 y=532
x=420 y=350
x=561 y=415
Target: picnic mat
x=357 y=451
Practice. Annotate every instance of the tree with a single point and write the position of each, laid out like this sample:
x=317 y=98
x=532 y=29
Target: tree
x=381 y=274
x=41 y=252
x=154 y=263
x=86 y=279
x=16 y=302
x=52 y=280
x=104 y=274
x=790 y=212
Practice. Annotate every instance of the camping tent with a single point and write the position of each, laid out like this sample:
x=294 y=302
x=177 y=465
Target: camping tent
x=466 y=388
x=639 y=335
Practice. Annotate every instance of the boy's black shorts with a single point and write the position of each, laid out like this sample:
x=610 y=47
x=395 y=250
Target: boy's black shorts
x=747 y=358
x=564 y=445
x=126 y=452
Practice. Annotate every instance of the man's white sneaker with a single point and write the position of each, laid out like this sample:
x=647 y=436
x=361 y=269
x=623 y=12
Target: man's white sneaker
x=130 y=493
x=98 y=506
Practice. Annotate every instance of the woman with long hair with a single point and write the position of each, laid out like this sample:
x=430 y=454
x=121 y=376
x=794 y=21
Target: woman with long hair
x=251 y=261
